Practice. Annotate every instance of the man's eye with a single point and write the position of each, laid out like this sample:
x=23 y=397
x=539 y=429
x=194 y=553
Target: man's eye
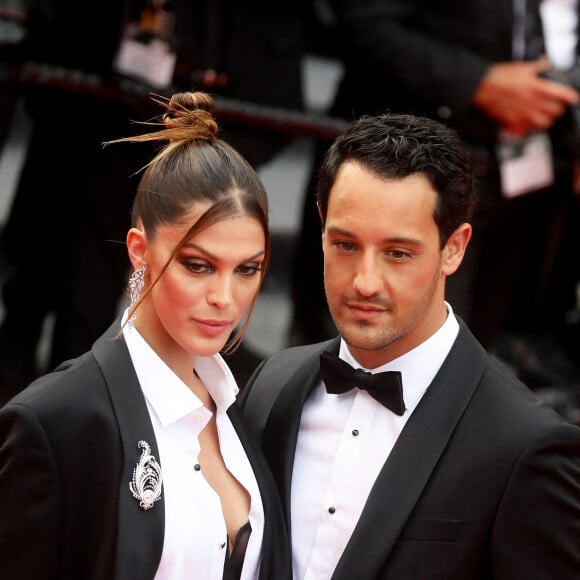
x=398 y=254
x=344 y=246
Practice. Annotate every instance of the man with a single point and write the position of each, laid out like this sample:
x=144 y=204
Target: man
x=469 y=476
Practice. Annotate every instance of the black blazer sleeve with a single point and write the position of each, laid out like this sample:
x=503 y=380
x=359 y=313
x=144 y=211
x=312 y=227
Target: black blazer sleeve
x=29 y=519
x=59 y=470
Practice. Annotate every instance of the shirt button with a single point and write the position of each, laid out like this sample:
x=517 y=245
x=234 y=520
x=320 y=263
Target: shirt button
x=197 y=467
x=222 y=545
x=355 y=432
x=331 y=509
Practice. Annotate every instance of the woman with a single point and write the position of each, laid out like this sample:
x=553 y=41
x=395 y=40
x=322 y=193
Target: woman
x=130 y=461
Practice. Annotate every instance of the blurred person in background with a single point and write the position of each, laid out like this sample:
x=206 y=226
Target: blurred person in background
x=71 y=204
x=62 y=243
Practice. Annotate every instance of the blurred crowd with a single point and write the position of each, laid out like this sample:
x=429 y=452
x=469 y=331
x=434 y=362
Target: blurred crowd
x=82 y=75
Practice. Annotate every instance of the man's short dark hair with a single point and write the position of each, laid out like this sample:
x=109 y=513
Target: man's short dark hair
x=396 y=146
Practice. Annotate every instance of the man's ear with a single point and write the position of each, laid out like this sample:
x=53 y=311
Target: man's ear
x=137 y=246
x=455 y=248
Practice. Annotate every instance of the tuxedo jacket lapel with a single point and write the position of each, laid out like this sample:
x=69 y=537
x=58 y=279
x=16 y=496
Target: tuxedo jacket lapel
x=140 y=532
x=275 y=555
x=413 y=459
x=281 y=431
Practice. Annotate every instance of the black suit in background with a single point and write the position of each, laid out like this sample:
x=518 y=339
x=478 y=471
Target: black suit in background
x=483 y=482
x=71 y=206
x=427 y=58
x=258 y=46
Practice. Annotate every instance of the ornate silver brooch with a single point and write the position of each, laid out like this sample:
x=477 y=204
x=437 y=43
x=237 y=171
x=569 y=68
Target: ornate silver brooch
x=147 y=481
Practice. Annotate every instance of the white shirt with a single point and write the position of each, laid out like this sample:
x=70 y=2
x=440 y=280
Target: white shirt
x=343 y=443
x=560 y=21
x=195 y=540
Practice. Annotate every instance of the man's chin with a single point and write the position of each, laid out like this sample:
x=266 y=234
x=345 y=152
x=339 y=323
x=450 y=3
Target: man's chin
x=362 y=339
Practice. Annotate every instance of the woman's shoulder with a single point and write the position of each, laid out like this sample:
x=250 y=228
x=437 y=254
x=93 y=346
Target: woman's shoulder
x=71 y=384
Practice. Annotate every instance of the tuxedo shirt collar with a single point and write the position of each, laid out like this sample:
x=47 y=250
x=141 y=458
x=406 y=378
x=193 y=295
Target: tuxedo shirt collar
x=418 y=366
x=218 y=379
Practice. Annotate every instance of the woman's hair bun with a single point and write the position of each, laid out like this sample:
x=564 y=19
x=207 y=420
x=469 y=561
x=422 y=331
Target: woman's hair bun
x=188 y=116
x=192 y=111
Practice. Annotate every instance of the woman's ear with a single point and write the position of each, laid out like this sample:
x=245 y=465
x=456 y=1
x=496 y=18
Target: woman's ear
x=455 y=248
x=137 y=246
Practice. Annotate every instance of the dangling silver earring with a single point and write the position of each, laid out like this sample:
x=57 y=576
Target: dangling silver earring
x=136 y=283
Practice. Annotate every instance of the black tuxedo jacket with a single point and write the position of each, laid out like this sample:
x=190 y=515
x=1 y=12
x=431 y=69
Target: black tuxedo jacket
x=68 y=447
x=483 y=482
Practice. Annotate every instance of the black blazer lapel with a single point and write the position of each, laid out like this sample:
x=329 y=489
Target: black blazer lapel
x=276 y=561
x=284 y=420
x=140 y=533
x=410 y=464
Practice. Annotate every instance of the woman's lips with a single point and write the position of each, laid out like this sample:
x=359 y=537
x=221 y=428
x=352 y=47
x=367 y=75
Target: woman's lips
x=212 y=327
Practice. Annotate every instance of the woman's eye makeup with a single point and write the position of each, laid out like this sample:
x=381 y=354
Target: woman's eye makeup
x=198 y=266
x=249 y=269
x=204 y=267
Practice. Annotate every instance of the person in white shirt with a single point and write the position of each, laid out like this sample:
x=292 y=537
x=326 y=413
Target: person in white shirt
x=401 y=449
x=132 y=461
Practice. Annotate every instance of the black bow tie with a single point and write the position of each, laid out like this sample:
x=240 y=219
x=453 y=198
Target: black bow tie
x=339 y=377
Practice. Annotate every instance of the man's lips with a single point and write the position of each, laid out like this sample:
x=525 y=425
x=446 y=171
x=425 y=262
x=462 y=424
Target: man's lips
x=365 y=311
